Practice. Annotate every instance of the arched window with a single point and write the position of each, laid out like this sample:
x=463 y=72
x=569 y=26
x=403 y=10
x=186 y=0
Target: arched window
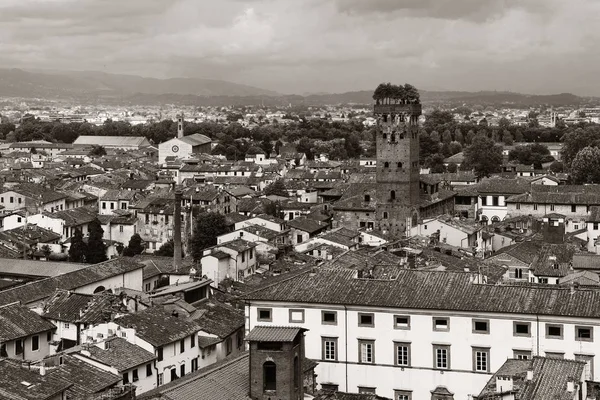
x=386 y=164
x=393 y=195
x=385 y=215
x=269 y=376
x=399 y=164
x=495 y=219
x=518 y=273
x=99 y=289
x=393 y=138
x=401 y=135
x=384 y=135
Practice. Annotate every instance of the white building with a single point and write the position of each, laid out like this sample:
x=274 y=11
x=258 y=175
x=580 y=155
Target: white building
x=408 y=335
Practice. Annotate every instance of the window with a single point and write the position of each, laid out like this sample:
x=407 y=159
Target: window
x=135 y=375
x=595 y=226
x=481 y=359
x=49 y=336
x=243 y=256
x=161 y=379
x=441 y=357
x=402 y=354
x=228 y=345
x=3 y=352
x=174 y=374
x=399 y=164
x=121 y=228
x=329 y=348
x=297 y=316
x=269 y=376
x=35 y=343
x=366 y=319
x=518 y=273
x=555 y=354
x=366 y=390
x=264 y=314
x=385 y=215
x=518 y=206
x=181 y=346
x=125 y=378
x=329 y=317
x=12 y=199
x=535 y=206
x=366 y=351
x=147 y=287
x=299 y=238
x=589 y=365
x=522 y=329
x=19 y=219
x=66 y=325
x=182 y=370
x=522 y=354
x=573 y=208
x=481 y=326
x=402 y=395
x=194 y=364
x=240 y=338
x=250 y=254
x=148 y=369
x=584 y=333
x=104 y=205
x=112 y=206
x=551 y=207
x=330 y=387
x=401 y=322
x=495 y=201
x=393 y=195
x=367 y=197
x=18 y=346
x=554 y=331
x=192 y=341
x=159 y=356
x=386 y=164
x=441 y=324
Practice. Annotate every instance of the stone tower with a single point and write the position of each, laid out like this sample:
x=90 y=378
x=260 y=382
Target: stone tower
x=180 y=125
x=397 y=164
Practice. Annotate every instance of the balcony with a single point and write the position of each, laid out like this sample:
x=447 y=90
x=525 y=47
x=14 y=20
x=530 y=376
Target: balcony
x=410 y=109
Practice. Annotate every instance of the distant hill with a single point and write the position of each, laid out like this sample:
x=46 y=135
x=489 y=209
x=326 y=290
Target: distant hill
x=65 y=84
x=100 y=87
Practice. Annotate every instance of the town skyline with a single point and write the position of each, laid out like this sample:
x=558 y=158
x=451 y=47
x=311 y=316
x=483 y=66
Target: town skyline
x=311 y=47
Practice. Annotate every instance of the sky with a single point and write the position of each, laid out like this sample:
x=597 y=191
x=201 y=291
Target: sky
x=312 y=46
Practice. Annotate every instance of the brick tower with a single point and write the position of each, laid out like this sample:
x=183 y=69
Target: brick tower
x=397 y=160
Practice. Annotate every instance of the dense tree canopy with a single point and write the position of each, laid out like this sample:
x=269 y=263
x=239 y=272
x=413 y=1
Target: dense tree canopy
x=135 y=246
x=208 y=226
x=483 y=156
x=585 y=167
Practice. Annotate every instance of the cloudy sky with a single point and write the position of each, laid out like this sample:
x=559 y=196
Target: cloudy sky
x=299 y=46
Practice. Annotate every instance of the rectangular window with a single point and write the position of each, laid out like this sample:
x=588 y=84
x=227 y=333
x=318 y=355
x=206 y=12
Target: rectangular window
x=264 y=314
x=49 y=337
x=522 y=354
x=441 y=324
x=518 y=206
x=481 y=359
x=573 y=208
x=522 y=329
x=194 y=364
x=243 y=256
x=298 y=238
x=148 y=369
x=35 y=343
x=329 y=348
x=161 y=379
x=441 y=357
x=329 y=317
x=159 y=356
x=12 y=199
x=228 y=345
x=589 y=365
x=401 y=322
x=584 y=333
x=595 y=226
x=495 y=201
x=402 y=395
x=135 y=375
x=182 y=370
x=366 y=351
x=366 y=319
x=125 y=378
x=121 y=228
x=402 y=354
x=181 y=346
x=481 y=326
x=240 y=338
x=297 y=316
x=535 y=206
x=554 y=331
x=103 y=205
x=192 y=341
x=18 y=346
x=551 y=207
x=483 y=200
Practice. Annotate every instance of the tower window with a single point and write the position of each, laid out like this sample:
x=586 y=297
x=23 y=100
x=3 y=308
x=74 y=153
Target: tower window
x=367 y=197
x=393 y=138
x=386 y=164
x=385 y=215
x=393 y=195
x=385 y=135
x=269 y=376
x=399 y=164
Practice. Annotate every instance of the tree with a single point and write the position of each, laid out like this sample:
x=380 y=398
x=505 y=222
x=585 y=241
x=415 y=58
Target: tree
x=46 y=250
x=135 y=246
x=352 y=146
x=455 y=148
x=272 y=208
x=585 y=168
x=504 y=123
x=276 y=188
x=78 y=248
x=447 y=137
x=96 y=248
x=437 y=164
x=458 y=136
x=208 y=226
x=278 y=145
x=97 y=151
x=305 y=146
x=452 y=167
x=167 y=250
x=483 y=156
x=507 y=138
x=267 y=146
x=576 y=140
x=556 y=167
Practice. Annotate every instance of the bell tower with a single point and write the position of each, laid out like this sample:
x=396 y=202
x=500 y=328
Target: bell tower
x=397 y=110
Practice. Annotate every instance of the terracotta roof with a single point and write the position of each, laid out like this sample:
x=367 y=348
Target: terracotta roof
x=219 y=318
x=333 y=395
x=207 y=341
x=307 y=225
x=274 y=334
x=119 y=354
x=17 y=321
x=429 y=290
x=227 y=379
x=86 y=378
x=20 y=383
x=159 y=327
x=586 y=261
x=503 y=186
x=37 y=268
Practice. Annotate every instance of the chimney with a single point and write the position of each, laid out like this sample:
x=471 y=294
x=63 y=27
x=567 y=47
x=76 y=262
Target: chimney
x=180 y=125
x=177 y=230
